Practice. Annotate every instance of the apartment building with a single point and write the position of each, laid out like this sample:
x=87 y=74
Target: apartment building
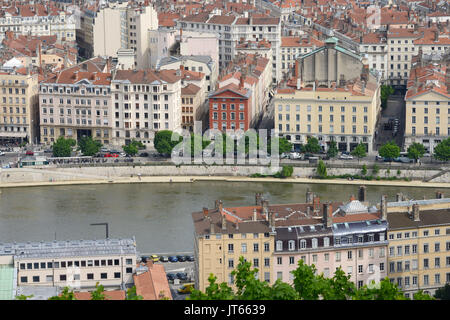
x=293 y=47
x=332 y=96
x=37 y=19
x=434 y=43
x=419 y=244
x=19 y=111
x=222 y=235
x=76 y=102
x=401 y=48
x=232 y=30
x=427 y=110
x=107 y=28
x=144 y=102
x=375 y=48
x=79 y=263
x=200 y=44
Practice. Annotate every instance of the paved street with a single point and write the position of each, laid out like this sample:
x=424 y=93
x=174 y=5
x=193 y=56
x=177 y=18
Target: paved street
x=395 y=110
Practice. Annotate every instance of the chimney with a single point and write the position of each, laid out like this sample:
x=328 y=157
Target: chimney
x=258 y=199
x=241 y=82
x=436 y=35
x=399 y=197
x=383 y=208
x=362 y=193
x=265 y=206
x=316 y=203
x=298 y=84
x=309 y=197
x=216 y=204
x=220 y=206
x=327 y=217
x=416 y=212
x=352 y=197
x=439 y=195
x=212 y=228
x=255 y=216
x=224 y=222
x=181 y=67
x=271 y=219
x=205 y=211
x=296 y=70
x=308 y=211
x=237 y=225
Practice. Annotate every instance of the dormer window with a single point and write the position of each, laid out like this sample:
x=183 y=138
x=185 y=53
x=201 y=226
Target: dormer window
x=326 y=242
x=314 y=243
x=291 y=245
x=302 y=244
x=279 y=245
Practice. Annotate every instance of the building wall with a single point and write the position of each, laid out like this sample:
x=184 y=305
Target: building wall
x=241 y=110
x=400 y=52
x=203 y=44
x=107 y=27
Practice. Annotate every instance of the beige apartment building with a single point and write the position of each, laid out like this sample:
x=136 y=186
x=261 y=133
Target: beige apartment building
x=427 y=115
x=19 y=108
x=191 y=101
x=332 y=97
x=221 y=237
x=419 y=245
x=76 y=102
x=144 y=102
x=79 y=264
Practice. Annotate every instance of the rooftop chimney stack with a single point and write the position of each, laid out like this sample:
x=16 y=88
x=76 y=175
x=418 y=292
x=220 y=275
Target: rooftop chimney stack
x=383 y=208
x=212 y=228
x=220 y=206
x=258 y=199
x=205 y=211
x=316 y=203
x=309 y=197
x=416 y=212
x=255 y=216
x=265 y=207
x=327 y=217
x=399 y=197
x=308 y=211
x=216 y=204
x=362 y=193
x=224 y=222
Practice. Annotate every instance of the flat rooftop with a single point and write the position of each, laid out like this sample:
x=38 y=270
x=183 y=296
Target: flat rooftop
x=6 y=282
x=69 y=248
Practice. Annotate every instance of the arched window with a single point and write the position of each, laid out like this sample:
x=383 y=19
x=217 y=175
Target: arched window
x=302 y=244
x=291 y=245
x=314 y=243
x=326 y=242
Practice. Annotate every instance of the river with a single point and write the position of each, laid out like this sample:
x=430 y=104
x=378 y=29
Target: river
x=157 y=214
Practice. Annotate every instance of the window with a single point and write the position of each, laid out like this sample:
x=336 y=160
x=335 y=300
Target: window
x=360 y=268
x=244 y=248
x=338 y=256
x=24 y=279
x=266 y=247
x=256 y=247
x=230 y=248
x=90 y=276
x=62 y=277
x=104 y=276
x=291 y=260
x=129 y=270
x=266 y=262
x=36 y=279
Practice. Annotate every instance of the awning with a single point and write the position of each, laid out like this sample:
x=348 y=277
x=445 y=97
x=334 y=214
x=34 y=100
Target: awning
x=13 y=134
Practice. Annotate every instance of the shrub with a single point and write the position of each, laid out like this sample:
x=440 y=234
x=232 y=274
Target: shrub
x=364 y=170
x=378 y=178
x=398 y=172
x=376 y=169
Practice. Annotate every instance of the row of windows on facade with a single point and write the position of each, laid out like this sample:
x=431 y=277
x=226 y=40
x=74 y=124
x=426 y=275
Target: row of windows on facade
x=141 y=88
x=10 y=82
x=128 y=115
x=63 y=277
x=243 y=236
x=232 y=116
x=331 y=138
x=320 y=108
x=231 y=126
x=337 y=257
x=405 y=282
x=11 y=110
x=230 y=106
x=425 y=119
x=319 y=118
x=426 y=249
x=77 y=111
x=12 y=129
x=255 y=263
x=76 y=263
x=11 y=101
x=78 y=121
x=266 y=277
x=244 y=247
x=414 y=234
x=400 y=266
x=228 y=28
x=156 y=107
x=438 y=103
x=63 y=89
x=319 y=128
x=437 y=131
x=155 y=97
x=62 y=132
x=77 y=101
x=11 y=120
x=13 y=90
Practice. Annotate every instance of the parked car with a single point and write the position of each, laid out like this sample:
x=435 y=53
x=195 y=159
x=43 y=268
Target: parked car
x=2 y=153
x=388 y=159
x=284 y=155
x=171 y=276
x=173 y=259
x=164 y=259
x=181 y=258
x=143 y=154
x=186 y=288
x=111 y=155
x=190 y=258
x=154 y=258
x=182 y=275
x=308 y=155
x=378 y=158
x=29 y=153
x=427 y=154
x=403 y=160
x=295 y=155
x=144 y=259
x=344 y=156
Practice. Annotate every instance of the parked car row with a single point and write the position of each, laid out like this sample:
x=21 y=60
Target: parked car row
x=178 y=258
x=180 y=275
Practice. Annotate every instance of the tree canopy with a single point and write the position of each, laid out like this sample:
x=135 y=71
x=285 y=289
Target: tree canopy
x=386 y=91
x=163 y=142
x=321 y=169
x=63 y=147
x=416 y=150
x=88 y=146
x=389 y=150
x=312 y=145
x=332 y=149
x=359 y=151
x=307 y=285
x=442 y=150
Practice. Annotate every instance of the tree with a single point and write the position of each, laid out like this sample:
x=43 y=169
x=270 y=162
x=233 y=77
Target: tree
x=442 y=150
x=422 y=296
x=24 y=297
x=63 y=147
x=130 y=149
x=416 y=151
x=65 y=295
x=88 y=146
x=364 y=170
x=386 y=91
x=321 y=169
x=375 y=169
x=131 y=294
x=389 y=150
x=332 y=150
x=306 y=283
x=163 y=142
x=385 y=290
x=359 y=151
x=213 y=292
x=312 y=145
x=443 y=293
x=285 y=172
x=98 y=294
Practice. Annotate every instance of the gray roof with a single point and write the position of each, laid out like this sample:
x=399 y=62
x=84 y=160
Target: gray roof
x=347 y=228
x=409 y=203
x=198 y=58
x=75 y=248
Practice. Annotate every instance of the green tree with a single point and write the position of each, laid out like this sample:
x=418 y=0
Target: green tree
x=416 y=151
x=65 y=295
x=443 y=293
x=306 y=283
x=385 y=290
x=130 y=149
x=284 y=145
x=312 y=145
x=375 y=169
x=63 y=147
x=88 y=146
x=339 y=287
x=386 y=91
x=214 y=291
x=98 y=294
x=131 y=294
x=24 y=297
x=163 y=142
x=359 y=151
x=442 y=150
x=321 y=169
x=364 y=170
x=389 y=150
x=332 y=150
x=422 y=296
x=285 y=172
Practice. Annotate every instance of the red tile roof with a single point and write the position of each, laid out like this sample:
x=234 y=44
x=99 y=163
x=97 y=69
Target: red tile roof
x=109 y=295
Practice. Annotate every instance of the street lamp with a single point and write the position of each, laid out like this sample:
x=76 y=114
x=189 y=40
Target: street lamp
x=102 y=224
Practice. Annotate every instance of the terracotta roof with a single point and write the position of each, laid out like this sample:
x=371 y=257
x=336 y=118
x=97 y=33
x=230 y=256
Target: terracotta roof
x=190 y=90
x=152 y=283
x=147 y=76
x=109 y=295
x=222 y=19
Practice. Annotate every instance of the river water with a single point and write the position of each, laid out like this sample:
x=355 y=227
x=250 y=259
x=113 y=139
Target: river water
x=157 y=214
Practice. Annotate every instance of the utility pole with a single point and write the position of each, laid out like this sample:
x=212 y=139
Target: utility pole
x=102 y=224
